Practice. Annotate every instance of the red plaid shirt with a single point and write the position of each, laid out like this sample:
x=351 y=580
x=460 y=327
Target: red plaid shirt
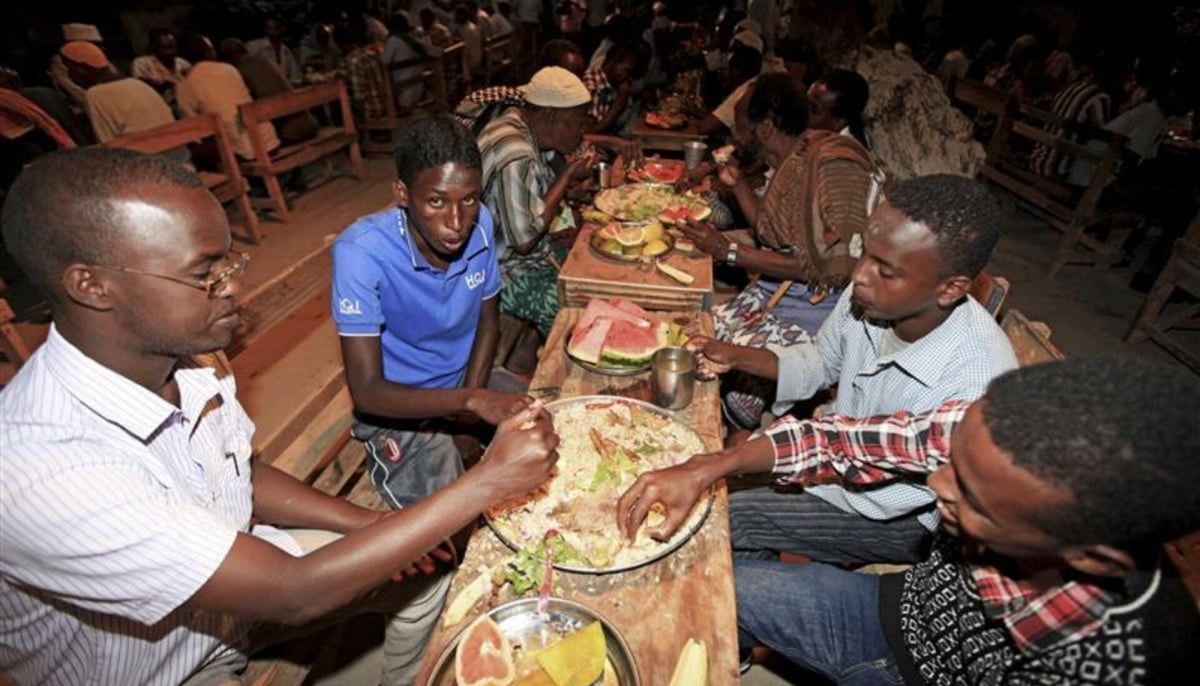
x=874 y=451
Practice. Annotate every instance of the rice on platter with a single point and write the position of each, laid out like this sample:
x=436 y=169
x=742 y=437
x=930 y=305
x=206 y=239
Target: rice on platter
x=605 y=444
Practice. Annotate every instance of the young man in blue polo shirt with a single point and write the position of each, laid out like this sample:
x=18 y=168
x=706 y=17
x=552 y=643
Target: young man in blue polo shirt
x=415 y=302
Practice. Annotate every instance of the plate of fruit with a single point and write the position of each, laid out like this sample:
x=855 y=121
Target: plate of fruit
x=631 y=243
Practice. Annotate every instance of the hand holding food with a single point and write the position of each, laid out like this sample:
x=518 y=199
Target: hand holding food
x=522 y=455
x=673 y=490
x=715 y=357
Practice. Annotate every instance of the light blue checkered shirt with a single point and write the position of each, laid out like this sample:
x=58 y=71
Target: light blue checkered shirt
x=955 y=361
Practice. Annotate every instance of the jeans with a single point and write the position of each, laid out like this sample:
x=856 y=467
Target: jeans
x=822 y=618
x=765 y=520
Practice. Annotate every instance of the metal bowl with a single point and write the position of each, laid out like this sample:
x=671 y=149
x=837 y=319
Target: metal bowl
x=680 y=539
x=521 y=624
x=596 y=239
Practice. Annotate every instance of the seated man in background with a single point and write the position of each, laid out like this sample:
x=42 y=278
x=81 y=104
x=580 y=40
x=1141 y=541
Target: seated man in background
x=217 y=88
x=116 y=105
x=161 y=67
x=138 y=533
x=264 y=78
x=609 y=82
x=808 y=227
x=415 y=302
x=275 y=49
x=524 y=185
x=905 y=337
x=1057 y=490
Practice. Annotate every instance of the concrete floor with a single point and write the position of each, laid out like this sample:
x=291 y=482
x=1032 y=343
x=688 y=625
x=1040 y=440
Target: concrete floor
x=1088 y=310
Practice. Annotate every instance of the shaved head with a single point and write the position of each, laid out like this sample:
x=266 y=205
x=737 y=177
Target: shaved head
x=63 y=209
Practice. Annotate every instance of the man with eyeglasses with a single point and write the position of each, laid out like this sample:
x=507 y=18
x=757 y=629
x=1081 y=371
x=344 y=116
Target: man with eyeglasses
x=136 y=544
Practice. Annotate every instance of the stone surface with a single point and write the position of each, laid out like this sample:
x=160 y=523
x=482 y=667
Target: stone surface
x=911 y=125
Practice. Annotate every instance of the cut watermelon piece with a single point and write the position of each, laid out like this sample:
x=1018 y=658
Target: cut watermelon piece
x=586 y=343
x=598 y=307
x=633 y=308
x=629 y=346
x=683 y=213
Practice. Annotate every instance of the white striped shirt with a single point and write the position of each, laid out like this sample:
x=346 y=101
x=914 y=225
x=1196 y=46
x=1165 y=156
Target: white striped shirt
x=116 y=508
x=955 y=361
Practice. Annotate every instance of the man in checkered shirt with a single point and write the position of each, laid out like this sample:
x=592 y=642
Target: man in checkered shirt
x=609 y=82
x=1057 y=491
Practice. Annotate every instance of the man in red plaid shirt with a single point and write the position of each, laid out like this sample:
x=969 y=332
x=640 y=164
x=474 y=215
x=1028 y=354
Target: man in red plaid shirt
x=1057 y=490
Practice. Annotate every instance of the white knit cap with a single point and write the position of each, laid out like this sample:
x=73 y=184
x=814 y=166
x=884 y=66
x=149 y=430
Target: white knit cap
x=81 y=32
x=555 y=87
x=749 y=39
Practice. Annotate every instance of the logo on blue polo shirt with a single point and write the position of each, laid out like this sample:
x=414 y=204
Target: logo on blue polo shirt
x=348 y=306
x=476 y=279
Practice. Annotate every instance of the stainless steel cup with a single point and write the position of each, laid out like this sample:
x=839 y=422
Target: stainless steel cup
x=693 y=153
x=673 y=378
x=603 y=174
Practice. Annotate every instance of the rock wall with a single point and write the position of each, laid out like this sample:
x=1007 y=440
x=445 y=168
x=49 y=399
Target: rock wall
x=912 y=127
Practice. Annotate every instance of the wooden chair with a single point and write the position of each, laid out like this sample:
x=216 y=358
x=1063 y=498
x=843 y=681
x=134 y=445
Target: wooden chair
x=369 y=129
x=426 y=79
x=456 y=78
x=990 y=291
x=1181 y=272
x=499 y=57
x=329 y=140
x=1030 y=340
x=227 y=185
x=1019 y=127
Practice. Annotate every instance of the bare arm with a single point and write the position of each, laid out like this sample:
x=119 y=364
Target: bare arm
x=776 y=265
x=258 y=581
x=479 y=366
x=375 y=395
x=283 y=500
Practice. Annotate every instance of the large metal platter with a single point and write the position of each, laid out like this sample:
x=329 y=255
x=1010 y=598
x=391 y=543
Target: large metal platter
x=521 y=624
x=697 y=518
x=601 y=369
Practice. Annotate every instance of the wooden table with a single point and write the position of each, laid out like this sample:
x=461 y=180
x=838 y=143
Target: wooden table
x=586 y=275
x=657 y=607
x=664 y=139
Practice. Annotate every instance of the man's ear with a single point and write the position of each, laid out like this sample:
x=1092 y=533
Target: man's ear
x=84 y=285
x=1099 y=560
x=401 y=194
x=952 y=290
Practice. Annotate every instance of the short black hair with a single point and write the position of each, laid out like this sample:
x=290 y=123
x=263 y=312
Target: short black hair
x=59 y=210
x=745 y=60
x=196 y=47
x=780 y=99
x=554 y=50
x=431 y=141
x=961 y=213
x=1118 y=433
x=852 y=95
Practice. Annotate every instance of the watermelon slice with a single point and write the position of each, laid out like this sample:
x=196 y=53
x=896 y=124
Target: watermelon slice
x=632 y=308
x=586 y=343
x=629 y=346
x=683 y=213
x=597 y=308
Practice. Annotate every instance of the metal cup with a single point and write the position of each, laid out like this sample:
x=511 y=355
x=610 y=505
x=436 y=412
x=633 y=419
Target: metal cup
x=673 y=378
x=603 y=174
x=693 y=153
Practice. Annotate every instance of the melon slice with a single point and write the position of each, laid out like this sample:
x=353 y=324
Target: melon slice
x=587 y=343
x=684 y=213
x=598 y=307
x=484 y=656
x=578 y=659
x=629 y=346
x=632 y=308
x=674 y=272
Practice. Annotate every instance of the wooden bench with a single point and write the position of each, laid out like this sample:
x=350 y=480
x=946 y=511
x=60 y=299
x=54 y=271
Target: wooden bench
x=429 y=73
x=329 y=140
x=1030 y=340
x=227 y=184
x=456 y=77
x=990 y=291
x=499 y=57
x=370 y=128
x=292 y=351
x=1018 y=128
x=1182 y=272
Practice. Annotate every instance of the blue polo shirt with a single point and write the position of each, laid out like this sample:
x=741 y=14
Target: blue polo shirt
x=425 y=318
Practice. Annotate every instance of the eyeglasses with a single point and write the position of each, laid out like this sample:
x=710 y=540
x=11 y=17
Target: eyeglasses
x=215 y=286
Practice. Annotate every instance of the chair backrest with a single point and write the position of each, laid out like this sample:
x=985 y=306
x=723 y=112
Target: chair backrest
x=177 y=134
x=990 y=291
x=978 y=95
x=1030 y=340
x=300 y=100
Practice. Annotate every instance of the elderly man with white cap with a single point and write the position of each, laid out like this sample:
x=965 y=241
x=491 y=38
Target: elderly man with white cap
x=526 y=174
